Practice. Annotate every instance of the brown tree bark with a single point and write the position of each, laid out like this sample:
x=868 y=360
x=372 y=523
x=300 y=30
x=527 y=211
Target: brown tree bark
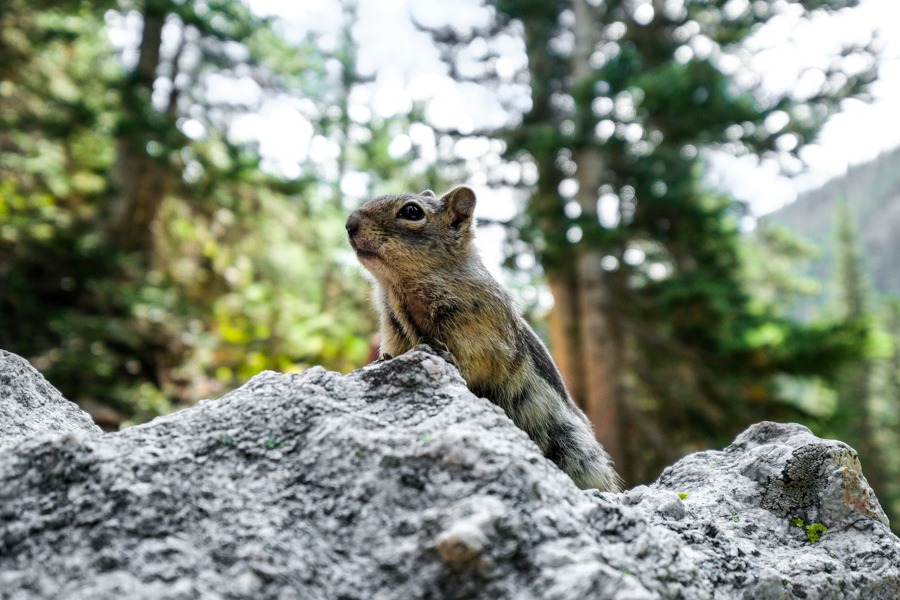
x=600 y=355
x=588 y=349
x=141 y=179
x=565 y=332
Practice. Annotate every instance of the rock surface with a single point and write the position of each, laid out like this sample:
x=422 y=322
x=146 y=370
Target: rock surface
x=29 y=405
x=395 y=482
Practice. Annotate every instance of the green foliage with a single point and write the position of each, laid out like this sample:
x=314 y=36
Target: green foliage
x=246 y=272
x=870 y=191
x=771 y=260
x=886 y=410
x=815 y=531
x=859 y=404
x=864 y=401
x=704 y=354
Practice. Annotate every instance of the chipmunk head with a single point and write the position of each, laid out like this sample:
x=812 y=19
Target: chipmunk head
x=411 y=235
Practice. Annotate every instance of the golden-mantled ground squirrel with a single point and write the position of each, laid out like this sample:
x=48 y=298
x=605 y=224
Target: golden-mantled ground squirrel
x=431 y=287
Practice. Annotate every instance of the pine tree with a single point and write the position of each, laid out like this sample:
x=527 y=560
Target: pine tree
x=652 y=327
x=140 y=267
x=888 y=423
x=853 y=419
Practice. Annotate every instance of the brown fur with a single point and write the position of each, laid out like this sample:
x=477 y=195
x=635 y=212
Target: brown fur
x=432 y=285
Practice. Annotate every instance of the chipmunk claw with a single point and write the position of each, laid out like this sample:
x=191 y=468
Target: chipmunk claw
x=439 y=348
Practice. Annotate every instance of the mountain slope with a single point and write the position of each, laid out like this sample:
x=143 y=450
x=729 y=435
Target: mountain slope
x=872 y=191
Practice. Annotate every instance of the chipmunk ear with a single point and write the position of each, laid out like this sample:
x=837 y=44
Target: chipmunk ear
x=460 y=204
x=428 y=193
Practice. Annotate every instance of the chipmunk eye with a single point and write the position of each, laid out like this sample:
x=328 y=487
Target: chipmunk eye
x=411 y=212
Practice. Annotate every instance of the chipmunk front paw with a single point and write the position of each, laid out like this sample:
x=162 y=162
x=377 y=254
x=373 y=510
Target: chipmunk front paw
x=439 y=348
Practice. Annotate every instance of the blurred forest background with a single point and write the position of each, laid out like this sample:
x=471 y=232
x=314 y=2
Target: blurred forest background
x=152 y=253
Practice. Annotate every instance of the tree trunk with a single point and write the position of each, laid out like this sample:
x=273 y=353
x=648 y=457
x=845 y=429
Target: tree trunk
x=564 y=332
x=600 y=352
x=141 y=180
x=587 y=349
x=854 y=410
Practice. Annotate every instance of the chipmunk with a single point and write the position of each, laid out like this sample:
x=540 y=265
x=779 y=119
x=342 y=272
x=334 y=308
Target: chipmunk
x=432 y=287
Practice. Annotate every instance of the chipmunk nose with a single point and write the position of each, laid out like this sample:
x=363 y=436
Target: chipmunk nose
x=352 y=224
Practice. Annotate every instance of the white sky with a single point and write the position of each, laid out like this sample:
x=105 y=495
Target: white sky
x=859 y=132
x=406 y=67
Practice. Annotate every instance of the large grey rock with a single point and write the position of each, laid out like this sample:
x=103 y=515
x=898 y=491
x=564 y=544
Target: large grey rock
x=395 y=482
x=29 y=405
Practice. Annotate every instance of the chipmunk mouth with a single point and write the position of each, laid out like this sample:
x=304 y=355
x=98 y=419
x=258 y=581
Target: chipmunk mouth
x=363 y=251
